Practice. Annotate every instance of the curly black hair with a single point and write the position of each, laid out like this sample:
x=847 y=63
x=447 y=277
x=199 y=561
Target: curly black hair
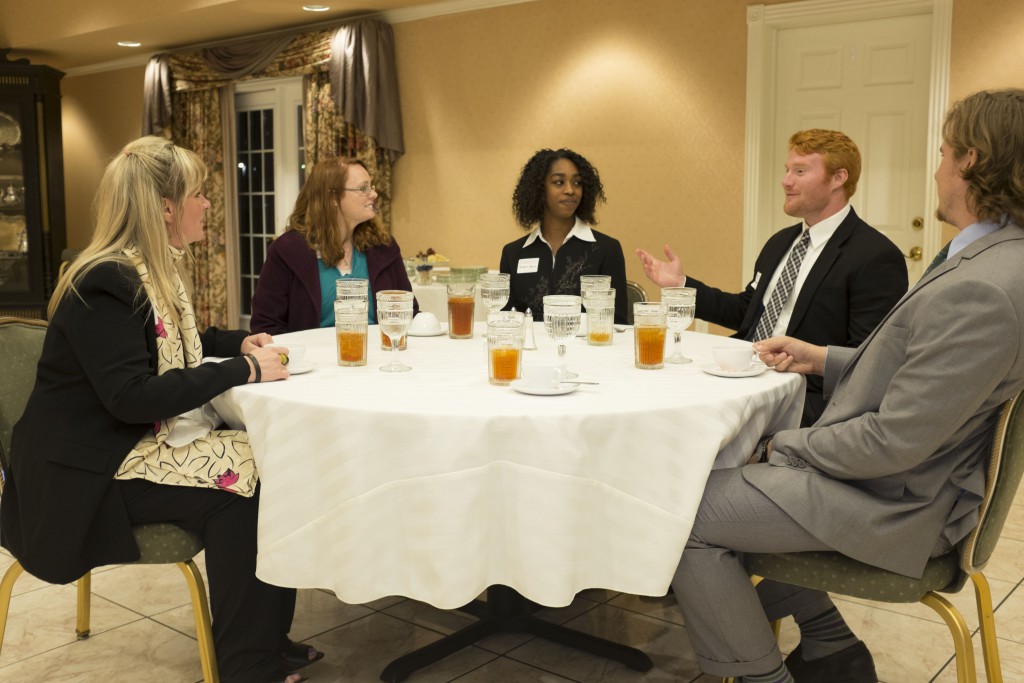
x=528 y=199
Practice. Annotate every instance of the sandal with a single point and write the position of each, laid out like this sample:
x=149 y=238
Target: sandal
x=295 y=656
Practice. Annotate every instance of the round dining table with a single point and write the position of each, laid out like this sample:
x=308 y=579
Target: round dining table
x=435 y=485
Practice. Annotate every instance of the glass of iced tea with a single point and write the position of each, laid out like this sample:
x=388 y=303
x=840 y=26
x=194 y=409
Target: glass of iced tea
x=600 y=305
x=649 y=328
x=461 y=302
x=504 y=347
x=350 y=329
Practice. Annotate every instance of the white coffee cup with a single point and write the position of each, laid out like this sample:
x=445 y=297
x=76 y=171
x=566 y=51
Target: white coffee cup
x=425 y=322
x=295 y=353
x=733 y=358
x=541 y=373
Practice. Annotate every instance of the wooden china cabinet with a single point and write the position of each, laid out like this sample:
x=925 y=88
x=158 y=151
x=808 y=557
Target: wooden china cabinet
x=32 y=225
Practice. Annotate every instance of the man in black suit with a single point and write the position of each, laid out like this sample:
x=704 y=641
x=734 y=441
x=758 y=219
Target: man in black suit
x=828 y=280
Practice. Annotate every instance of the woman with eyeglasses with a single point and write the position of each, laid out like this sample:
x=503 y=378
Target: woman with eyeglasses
x=555 y=200
x=334 y=232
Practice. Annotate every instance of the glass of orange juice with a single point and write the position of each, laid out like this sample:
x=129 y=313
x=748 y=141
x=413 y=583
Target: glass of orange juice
x=504 y=347
x=350 y=329
x=649 y=327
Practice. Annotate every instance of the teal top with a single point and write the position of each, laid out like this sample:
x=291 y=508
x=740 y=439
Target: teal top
x=329 y=275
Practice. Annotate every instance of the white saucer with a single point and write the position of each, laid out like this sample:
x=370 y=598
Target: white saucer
x=756 y=370
x=299 y=369
x=432 y=333
x=523 y=388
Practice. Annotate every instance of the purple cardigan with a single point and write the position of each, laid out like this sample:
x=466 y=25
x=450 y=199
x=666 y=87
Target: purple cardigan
x=287 y=297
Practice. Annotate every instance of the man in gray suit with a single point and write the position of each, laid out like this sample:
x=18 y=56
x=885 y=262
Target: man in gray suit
x=892 y=473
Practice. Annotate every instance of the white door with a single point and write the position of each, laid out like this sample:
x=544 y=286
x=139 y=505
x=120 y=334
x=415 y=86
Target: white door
x=876 y=70
x=869 y=79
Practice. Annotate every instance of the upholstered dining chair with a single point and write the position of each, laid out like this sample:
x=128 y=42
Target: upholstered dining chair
x=634 y=293
x=22 y=343
x=830 y=571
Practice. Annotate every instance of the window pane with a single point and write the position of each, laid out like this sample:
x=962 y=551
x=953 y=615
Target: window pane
x=243 y=128
x=269 y=215
x=244 y=251
x=268 y=171
x=246 y=303
x=268 y=128
x=254 y=130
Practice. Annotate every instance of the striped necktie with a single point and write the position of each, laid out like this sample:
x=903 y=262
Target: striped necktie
x=939 y=259
x=783 y=288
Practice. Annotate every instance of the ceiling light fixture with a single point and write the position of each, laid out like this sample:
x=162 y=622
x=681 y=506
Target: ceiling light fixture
x=315 y=8
x=129 y=43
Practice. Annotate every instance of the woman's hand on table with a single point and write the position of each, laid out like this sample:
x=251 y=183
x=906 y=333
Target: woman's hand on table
x=255 y=341
x=267 y=364
x=786 y=354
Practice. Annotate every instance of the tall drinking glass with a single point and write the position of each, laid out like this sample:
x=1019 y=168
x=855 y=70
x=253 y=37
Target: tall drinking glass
x=461 y=303
x=504 y=347
x=600 y=305
x=649 y=335
x=561 y=319
x=394 y=314
x=350 y=329
x=589 y=283
x=681 y=305
x=352 y=290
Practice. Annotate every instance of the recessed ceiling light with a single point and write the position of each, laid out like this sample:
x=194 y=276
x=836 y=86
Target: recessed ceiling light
x=129 y=43
x=315 y=8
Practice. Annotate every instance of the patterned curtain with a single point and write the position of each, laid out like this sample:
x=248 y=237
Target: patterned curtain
x=197 y=125
x=200 y=102
x=326 y=134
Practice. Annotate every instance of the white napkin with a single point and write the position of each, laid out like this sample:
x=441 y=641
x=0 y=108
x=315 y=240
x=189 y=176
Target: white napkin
x=195 y=424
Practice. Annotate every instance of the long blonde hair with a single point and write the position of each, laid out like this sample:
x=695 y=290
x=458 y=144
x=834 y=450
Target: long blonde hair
x=129 y=213
x=315 y=215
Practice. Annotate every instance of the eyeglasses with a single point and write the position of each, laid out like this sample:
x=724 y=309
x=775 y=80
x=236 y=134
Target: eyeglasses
x=365 y=189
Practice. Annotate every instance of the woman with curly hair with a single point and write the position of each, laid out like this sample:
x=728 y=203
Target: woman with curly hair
x=554 y=200
x=333 y=233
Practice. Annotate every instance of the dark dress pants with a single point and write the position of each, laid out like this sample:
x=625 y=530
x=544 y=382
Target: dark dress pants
x=250 y=618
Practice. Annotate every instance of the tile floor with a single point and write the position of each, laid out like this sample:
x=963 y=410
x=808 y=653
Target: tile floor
x=142 y=631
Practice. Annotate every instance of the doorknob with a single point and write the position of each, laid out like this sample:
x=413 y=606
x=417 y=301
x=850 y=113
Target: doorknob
x=917 y=223
x=915 y=254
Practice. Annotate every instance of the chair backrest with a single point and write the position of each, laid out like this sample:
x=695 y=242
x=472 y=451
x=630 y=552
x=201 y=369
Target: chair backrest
x=22 y=343
x=634 y=293
x=1006 y=465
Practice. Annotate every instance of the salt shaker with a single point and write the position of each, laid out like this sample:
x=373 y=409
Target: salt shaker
x=528 y=343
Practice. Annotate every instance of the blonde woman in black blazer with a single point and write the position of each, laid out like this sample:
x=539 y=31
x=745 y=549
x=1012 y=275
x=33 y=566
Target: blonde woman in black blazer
x=103 y=378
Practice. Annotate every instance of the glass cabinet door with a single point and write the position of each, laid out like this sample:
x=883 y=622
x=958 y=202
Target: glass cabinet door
x=14 y=228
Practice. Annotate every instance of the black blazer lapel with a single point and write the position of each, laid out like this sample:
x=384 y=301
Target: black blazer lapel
x=822 y=265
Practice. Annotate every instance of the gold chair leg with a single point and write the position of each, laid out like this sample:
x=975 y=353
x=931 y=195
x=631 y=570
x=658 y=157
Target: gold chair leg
x=201 y=613
x=989 y=648
x=965 y=671
x=84 y=606
x=6 y=588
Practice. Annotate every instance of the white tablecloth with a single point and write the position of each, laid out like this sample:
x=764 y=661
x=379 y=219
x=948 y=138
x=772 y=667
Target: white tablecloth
x=434 y=484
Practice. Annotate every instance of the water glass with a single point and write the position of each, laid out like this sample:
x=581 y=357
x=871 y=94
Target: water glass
x=494 y=290
x=392 y=295
x=561 y=319
x=649 y=335
x=600 y=304
x=681 y=305
x=461 y=304
x=350 y=328
x=504 y=348
x=588 y=282
x=353 y=290
x=394 y=314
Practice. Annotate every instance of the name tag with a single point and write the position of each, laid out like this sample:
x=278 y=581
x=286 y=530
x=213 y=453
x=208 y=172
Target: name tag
x=527 y=265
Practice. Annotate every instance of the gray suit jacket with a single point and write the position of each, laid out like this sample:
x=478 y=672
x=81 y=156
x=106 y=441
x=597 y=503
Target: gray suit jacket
x=897 y=460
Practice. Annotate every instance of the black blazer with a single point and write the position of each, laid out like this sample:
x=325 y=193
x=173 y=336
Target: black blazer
x=96 y=394
x=858 y=277
x=575 y=257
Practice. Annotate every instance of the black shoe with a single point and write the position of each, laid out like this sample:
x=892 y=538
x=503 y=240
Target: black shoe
x=295 y=656
x=852 y=665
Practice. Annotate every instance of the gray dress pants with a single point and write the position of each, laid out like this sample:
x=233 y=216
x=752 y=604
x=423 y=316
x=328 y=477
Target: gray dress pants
x=726 y=618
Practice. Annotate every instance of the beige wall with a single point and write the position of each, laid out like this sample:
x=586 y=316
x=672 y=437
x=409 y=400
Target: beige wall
x=99 y=113
x=654 y=98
